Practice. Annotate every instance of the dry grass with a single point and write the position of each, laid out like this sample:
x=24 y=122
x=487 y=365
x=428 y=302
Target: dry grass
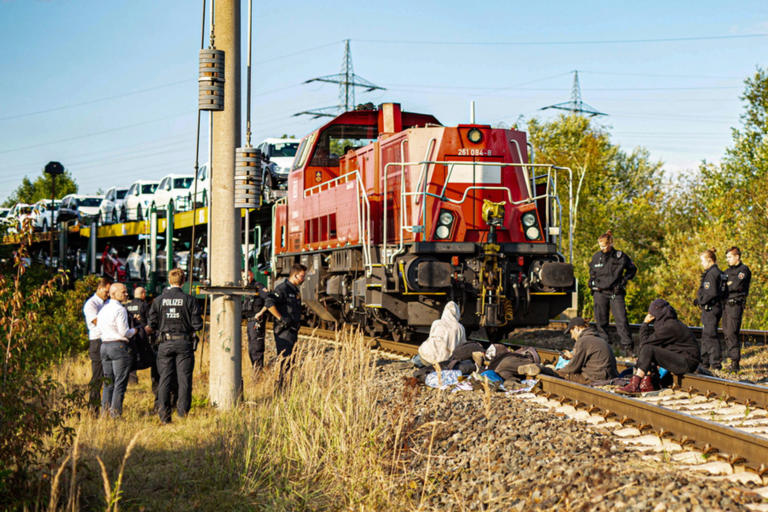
x=317 y=445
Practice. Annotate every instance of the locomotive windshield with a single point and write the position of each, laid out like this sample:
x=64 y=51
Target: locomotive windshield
x=336 y=140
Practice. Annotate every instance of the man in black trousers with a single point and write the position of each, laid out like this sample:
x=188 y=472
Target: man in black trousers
x=739 y=277
x=175 y=316
x=285 y=305
x=609 y=272
x=91 y=310
x=254 y=309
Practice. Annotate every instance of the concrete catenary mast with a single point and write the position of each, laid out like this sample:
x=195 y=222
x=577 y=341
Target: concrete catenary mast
x=226 y=371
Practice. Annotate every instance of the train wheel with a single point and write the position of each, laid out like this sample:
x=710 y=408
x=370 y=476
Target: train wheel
x=400 y=334
x=495 y=334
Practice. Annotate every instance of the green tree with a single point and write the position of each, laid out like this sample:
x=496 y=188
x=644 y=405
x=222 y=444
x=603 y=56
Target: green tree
x=722 y=206
x=613 y=190
x=32 y=191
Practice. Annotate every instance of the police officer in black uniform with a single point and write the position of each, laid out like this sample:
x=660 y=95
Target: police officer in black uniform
x=138 y=309
x=176 y=317
x=739 y=277
x=254 y=309
x=285 y=305
x=709 y=299
x=609 y=273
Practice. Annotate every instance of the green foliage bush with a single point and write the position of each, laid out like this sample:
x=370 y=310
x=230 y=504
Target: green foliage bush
x=40 y=322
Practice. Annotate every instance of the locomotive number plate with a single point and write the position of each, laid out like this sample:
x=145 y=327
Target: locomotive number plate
x=474 y=152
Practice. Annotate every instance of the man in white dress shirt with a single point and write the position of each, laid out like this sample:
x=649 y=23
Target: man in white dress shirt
x=90 y=311
x=116 y=355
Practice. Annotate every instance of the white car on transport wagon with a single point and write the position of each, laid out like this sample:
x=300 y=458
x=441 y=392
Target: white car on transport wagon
x=112 y=205
x=138 y=199
x=174 y=189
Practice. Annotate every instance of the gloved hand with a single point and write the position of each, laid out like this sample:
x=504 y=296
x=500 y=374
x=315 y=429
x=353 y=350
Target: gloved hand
x=280 y=325
x=696 y=302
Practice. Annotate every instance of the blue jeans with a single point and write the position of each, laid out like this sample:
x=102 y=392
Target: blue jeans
x=116 y=359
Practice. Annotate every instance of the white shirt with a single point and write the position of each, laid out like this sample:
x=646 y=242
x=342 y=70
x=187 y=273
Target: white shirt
x=113 y=322
x=91 y=309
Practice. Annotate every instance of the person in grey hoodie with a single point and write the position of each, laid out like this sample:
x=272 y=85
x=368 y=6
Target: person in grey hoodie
x=592 y=359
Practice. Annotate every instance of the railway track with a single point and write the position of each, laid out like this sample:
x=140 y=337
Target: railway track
x=721 y=420
x=745 y=335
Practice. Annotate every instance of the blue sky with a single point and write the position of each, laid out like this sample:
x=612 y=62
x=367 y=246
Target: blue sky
x=109 y=88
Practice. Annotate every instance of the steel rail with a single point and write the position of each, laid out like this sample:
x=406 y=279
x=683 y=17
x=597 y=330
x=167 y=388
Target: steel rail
x=734 y=445
x=752 y=395
x=744 y=334
x=729 y=390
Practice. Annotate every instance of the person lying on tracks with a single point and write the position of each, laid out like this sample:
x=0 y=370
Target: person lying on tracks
x=666 y=342
x=592 y=359
x=445 y=335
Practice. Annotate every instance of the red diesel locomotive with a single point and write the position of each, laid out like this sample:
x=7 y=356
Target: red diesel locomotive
x=395 y=214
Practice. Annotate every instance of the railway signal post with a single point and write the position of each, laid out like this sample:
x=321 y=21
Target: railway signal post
x=225 y=381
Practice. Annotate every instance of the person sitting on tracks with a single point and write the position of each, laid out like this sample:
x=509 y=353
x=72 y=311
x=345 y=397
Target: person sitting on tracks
x=592 y=359
x=445 y=335
x=667 y=343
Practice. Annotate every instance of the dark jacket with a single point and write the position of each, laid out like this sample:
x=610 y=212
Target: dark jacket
x=138 y=307
x=611 y=271
x=252 y=304
x=739 y=278
x=670 y=333
x=592 y=357
x=175 y=313
x=709 y=288
x=286 y=298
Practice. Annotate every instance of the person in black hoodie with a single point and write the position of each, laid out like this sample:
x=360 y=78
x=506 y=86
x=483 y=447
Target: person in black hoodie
x=667 y=343
x=609 y=272
x=709 y=299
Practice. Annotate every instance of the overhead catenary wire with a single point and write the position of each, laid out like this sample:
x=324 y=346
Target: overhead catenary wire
x=565 y=42
x=246 y=151
x=93 y=134
x=96 y=100
x=191 y=262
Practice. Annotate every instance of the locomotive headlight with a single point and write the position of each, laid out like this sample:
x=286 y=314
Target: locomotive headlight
x=529 y=219
x=442 y=232
x=445 y=218
x=475 y=136
x=532 y=233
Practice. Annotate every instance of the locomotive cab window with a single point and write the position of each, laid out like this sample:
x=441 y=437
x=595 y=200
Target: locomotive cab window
x=336 y=140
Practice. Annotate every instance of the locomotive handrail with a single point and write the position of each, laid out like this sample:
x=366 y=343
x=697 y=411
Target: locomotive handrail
x=442 y=197
x=309 y=191
x=525 y=168
x=363 y=215
x=273 y=257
